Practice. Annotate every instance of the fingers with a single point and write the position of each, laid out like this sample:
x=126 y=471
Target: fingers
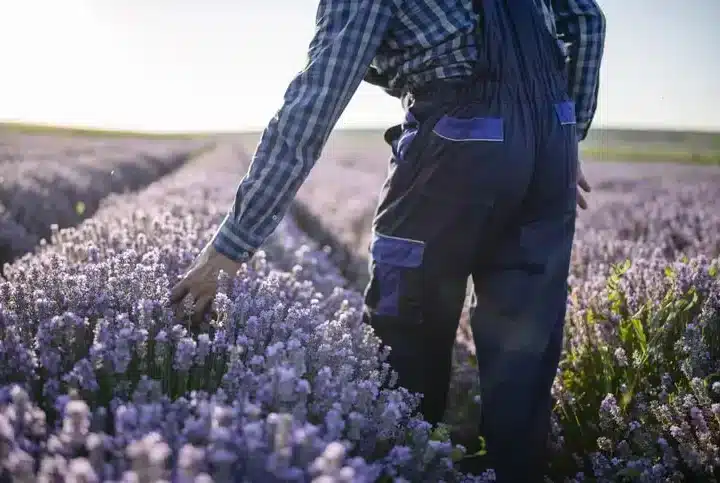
x=582 y=203
x=201 y=307
x=179 y=291
x=581 y=180
x=177 y=295
x=200 y=282
x=202 y=298
x=583 y=183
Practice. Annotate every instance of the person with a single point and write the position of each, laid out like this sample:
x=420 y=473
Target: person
x=484 y=180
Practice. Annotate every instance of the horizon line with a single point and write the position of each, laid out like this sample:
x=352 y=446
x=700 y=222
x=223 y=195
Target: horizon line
x=49 y=127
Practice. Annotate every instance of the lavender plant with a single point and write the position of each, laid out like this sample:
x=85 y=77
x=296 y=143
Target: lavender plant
x=282 y=383
x=101 y=381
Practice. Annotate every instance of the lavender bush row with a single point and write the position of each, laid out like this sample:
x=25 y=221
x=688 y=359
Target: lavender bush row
x=63 y=189
x=20 y=147
x=283 y=383
x=682 y=218
x=14 y=239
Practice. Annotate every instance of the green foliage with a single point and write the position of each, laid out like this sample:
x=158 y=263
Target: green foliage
x=591 y=370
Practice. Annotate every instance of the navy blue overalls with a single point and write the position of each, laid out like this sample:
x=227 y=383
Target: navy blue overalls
x=482 y=183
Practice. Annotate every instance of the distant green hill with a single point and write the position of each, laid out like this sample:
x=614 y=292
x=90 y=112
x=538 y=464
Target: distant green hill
x=653 y=145
x=601 y=144
x=698 y=140
x=49 y=129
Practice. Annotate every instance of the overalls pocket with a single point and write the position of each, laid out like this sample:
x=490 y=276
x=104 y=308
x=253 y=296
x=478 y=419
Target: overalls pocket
x=465 y=154
x=565 y=112
x=394 y=258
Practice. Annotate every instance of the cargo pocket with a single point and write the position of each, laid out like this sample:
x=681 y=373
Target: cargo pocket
x=393 y=258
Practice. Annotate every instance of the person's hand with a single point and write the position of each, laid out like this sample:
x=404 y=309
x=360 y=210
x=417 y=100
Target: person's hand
x=582 y=185
x=201 y=279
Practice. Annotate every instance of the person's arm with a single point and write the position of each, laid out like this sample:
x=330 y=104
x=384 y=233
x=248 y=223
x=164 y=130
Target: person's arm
x=347 y=35
x=581 y=23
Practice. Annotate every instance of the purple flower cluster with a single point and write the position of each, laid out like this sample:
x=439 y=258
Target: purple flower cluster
x=49 y=180
x=101 y=381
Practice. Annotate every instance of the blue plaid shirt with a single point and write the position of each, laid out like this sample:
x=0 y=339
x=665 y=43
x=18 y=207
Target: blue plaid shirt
x=386 y=43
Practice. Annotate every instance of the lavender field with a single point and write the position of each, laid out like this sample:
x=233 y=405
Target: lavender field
x=101 y=381
x=48 y=180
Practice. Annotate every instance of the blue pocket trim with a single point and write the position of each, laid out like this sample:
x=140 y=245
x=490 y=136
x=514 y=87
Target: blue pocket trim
x=403 y=143
x=393 y=255
x=388 y=283
x=473 y=129
x=566 y=112
x=409 y=131
x=399 y=252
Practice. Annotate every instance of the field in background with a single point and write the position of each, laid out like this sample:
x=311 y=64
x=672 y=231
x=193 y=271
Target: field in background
x=600 y=145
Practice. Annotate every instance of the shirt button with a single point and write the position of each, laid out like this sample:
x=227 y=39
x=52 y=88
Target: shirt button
x=275 y=217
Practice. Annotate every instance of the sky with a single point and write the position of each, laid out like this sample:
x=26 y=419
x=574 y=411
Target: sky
x=223 y=65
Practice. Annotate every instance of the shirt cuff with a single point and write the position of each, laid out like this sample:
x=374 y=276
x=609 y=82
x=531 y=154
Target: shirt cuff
x=230 y=241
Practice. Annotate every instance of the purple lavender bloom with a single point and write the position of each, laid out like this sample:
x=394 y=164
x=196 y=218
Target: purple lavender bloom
x=101 y=381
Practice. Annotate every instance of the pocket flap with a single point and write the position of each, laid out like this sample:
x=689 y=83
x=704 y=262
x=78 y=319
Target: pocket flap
x=565 y=112
x=473 y=129
x=398 y=252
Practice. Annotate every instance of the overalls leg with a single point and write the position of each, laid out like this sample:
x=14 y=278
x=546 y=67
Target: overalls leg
x=521 y=285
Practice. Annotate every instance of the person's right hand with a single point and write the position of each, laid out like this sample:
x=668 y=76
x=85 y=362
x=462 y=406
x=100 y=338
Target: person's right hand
x=583 y=185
